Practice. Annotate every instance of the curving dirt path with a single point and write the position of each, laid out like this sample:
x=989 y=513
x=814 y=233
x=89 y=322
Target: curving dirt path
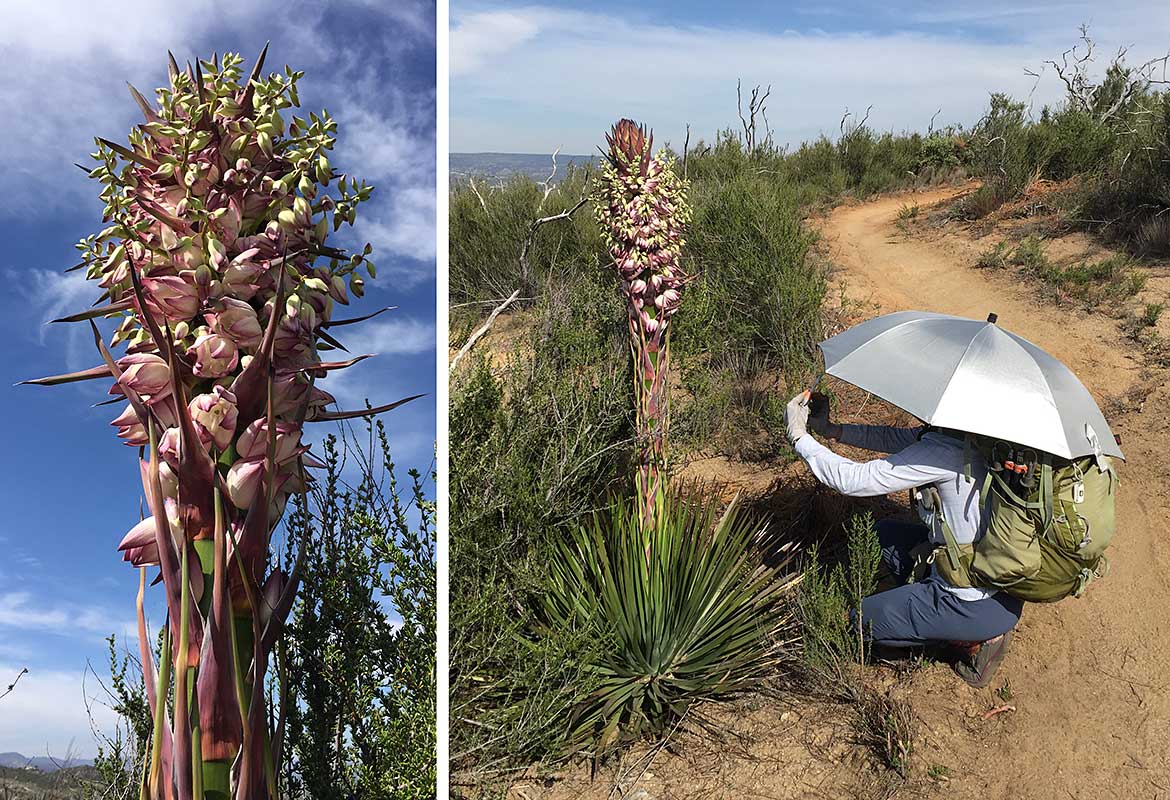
x=1090 y=678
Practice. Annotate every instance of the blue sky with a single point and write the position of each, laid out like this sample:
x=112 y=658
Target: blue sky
x=532 y=77
x=70 y=489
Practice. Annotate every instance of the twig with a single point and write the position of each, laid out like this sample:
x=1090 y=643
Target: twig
x=15 y=681
x=482 y=329
x=998 y=710
x=497 y=301
x=474 y=188
x=536 y=224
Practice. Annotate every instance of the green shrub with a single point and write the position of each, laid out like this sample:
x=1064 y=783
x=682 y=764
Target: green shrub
x=535 y=445
x=359 y=666
x=691 y=609
x=755 y=309
x=486 y=238
x=1029 y=255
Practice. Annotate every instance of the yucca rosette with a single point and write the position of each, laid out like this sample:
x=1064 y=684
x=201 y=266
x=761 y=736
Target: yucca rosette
x=641 y=206
x=215 y=262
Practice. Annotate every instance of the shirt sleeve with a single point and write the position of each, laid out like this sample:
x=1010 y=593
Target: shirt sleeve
x=923 y=462
x=879 y=438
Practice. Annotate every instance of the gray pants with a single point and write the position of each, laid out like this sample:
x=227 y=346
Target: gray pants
x=924 y=612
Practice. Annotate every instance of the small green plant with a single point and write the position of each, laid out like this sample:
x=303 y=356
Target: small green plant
x=938 y=772
x=691 y=610
x=996 y=257
x=1004 y=692
x=888 y=726
x=833 y=638
x=907 y=214
x=1151 y=314
x=1029 y=255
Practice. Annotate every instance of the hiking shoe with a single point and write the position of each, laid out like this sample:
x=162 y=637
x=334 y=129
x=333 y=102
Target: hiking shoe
x=977 y=665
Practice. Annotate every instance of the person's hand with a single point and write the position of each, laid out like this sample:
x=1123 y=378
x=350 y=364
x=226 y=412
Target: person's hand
x=818 y=418
x=796 y=416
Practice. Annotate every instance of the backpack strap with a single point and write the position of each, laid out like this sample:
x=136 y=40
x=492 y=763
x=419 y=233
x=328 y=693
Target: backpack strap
x=950 y=543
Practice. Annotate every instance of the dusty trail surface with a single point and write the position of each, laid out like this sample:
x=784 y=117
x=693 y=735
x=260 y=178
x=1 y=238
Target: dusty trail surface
x=1090 y=678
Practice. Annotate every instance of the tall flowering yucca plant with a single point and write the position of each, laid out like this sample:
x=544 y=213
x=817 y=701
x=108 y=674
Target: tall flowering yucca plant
x=216 y=266
x=642 y=209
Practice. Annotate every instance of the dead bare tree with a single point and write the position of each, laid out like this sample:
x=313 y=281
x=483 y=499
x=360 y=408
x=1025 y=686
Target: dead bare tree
x=1103 y=98
x=757 y=106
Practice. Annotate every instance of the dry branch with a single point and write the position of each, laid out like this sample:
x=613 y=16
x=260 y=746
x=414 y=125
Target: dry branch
x=475 y=337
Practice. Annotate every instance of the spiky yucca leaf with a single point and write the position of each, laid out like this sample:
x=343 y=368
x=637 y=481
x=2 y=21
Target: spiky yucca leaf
x=700 y=617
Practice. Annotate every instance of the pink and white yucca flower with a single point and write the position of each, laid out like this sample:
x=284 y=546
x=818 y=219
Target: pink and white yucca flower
x=641 y=206
x=216 y=264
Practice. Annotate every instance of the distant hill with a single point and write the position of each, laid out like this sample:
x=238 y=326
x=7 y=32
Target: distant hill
x=41 y=763
x=496 y=167
x=18 y=783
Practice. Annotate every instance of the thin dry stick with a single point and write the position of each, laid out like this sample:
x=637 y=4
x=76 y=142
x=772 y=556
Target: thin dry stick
x=482 y=330
x=15 y=681
x=536 y=224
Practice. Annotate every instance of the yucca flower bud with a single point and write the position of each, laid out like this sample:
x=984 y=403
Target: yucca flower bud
x=144 y=373
x=214 y=415
x=215 y=355
x=171 y=298
x=235 y=320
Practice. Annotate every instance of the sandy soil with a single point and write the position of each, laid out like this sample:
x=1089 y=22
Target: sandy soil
x=1089 y=678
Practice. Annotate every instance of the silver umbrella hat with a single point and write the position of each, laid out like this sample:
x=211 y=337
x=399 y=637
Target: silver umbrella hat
x=974 y=376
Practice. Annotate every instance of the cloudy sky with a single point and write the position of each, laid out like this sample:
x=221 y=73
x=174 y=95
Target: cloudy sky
x=70 y=488
x=530 y=78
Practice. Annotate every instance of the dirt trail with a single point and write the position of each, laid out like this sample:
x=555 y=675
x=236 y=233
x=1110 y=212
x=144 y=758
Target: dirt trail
x=1090 y=678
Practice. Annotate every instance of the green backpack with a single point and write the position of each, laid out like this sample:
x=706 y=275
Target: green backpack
x=1049 y=522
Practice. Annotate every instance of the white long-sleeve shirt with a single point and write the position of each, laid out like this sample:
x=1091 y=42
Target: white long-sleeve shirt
x=935 y=458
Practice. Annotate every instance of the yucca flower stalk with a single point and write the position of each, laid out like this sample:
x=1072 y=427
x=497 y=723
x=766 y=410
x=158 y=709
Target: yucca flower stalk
x=214 y=261
x=641 y=206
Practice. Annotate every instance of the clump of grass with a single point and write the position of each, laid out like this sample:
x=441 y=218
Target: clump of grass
x=907 y=215
x=1029 y=255
x=887 y=725
x=1094 y=283
x=1151 y=314
x=995 y=257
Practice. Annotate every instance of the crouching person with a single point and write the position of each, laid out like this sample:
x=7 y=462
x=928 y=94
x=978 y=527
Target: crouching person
x=976 y=622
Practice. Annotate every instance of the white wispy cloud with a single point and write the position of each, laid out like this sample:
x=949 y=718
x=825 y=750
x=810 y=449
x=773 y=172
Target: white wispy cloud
x=539 y=77
x=477 y=38
x=20 y=610
x=69 y=61
x=380 y=379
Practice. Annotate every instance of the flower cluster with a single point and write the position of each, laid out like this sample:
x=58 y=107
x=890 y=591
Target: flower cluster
x=642 y=209
x=215 y=263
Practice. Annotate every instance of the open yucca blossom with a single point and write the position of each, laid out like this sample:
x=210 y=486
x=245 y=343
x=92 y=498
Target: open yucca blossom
x=216 y=264
x=701 y=618
x=641 y=206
